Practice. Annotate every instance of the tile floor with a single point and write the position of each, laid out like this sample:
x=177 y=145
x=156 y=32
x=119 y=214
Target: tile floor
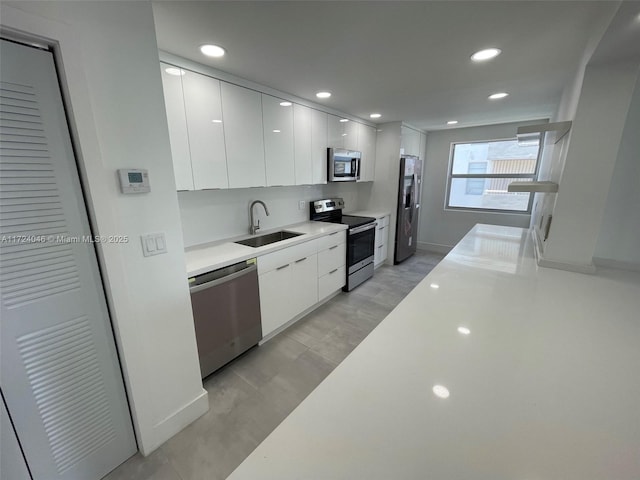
x=249 y=397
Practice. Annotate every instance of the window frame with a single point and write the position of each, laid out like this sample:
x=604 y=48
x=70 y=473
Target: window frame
x=450 y=176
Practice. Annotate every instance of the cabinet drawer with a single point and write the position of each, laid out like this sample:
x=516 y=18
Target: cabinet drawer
x=384 y=221
x=274 y=260
x=332 y=239
x=381 y=235
x=331 y=258
x=332 y=281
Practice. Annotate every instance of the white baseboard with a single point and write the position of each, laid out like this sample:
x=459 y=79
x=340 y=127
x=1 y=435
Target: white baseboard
x=434 y=247
x=617 y=264
x=174 y=423
x=557 y=264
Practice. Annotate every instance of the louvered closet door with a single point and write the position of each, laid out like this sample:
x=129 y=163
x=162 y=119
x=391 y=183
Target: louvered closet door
x=60 y=374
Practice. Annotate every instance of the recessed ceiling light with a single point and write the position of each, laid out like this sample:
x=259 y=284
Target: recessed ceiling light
x=452 y=122
x=496 y=96
x=276 y=131
x=343 y=120
x=216 y=121
x=441 y=391
x=486 y=54
x=285 y=104
x=323 y=94
x=375 y=115
x=175 y=71
x=464 y=330
x=434 y=286
x=344 y=134
x=212 y=50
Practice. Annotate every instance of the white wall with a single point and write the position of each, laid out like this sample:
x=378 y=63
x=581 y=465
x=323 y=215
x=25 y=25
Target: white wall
x=619 y=238
x=440 y=228
x=211 y=215
x=109 y=62
x=592 y=152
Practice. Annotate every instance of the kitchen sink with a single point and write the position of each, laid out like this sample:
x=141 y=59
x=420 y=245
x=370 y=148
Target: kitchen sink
x=267 y=239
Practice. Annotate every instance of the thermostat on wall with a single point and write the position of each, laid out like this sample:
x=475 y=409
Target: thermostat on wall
x=134 y=180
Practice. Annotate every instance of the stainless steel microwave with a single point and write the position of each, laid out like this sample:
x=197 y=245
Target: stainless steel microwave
x=343 y=165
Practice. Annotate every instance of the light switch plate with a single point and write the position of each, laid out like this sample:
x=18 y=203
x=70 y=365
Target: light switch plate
x=153 y=244
x=301 y=204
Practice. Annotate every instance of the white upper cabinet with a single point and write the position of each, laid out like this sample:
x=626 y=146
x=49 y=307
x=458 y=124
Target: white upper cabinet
x=242 y=109
x=423 y=149
x=350 y=135
x=174 y=104
x=277 y=121
x=203 y=108
x=335 y=131
x=410 y=141
x=302 y=148
x=367 y=145
x=319 y=144
x=343 y=133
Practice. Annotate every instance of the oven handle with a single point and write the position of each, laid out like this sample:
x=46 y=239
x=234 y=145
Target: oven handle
x=364 y=228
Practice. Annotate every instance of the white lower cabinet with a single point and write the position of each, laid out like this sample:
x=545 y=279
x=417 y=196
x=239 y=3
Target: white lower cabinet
x=294 y=279
x=331 y=282
x=331 y=265
x=288 y=284
x=382 y=241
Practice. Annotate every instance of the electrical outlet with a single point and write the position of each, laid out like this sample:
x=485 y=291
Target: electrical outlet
x=301 y=204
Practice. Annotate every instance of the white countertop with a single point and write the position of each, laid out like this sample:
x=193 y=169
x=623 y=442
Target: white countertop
x=546 y=385
x=369 y=213
x=210 y=256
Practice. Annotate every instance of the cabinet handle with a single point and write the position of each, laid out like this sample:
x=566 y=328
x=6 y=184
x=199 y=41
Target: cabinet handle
x=301 y=260
x=381 y=246
x=335 y=246
x=333 y=271
x=283 y=266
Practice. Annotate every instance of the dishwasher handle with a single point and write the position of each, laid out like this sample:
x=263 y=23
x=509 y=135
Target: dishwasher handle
x=219 y=281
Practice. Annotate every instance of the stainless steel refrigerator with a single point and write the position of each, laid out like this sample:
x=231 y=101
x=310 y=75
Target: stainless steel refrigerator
x=409 y=187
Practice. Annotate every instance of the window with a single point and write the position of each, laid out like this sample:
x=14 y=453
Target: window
x=480 y=172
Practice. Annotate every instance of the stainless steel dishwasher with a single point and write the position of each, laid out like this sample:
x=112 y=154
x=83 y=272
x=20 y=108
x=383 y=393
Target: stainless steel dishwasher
x=226 y=312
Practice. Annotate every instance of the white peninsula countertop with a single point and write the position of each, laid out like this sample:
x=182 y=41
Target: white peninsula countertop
x=545 y=386
x=211 y=256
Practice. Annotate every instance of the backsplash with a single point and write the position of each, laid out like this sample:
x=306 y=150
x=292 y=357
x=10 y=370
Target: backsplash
x=212 y=215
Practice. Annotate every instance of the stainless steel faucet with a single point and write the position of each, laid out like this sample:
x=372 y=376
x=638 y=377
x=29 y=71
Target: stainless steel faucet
x=253 y=228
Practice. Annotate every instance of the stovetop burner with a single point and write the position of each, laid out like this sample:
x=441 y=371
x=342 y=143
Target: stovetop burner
x=330 y=210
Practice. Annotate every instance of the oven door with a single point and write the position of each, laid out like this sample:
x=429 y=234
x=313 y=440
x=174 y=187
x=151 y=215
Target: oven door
x=361 y=246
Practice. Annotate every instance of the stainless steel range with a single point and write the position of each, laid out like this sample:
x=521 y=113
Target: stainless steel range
x=360 y=239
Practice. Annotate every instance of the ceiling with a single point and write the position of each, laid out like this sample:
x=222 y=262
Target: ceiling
x=408 y=61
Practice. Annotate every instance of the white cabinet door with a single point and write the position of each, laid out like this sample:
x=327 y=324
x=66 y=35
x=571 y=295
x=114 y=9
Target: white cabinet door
x=277 y=121
x=410 y=141
x=275 y=307
x=367 y=145
x=203 y=108
x=382 y=240
x=343 y=133
x=423 y=149
x=304 y=286
x=350 y=135
x=174 y=104
x=242 y=109
x=335 y=131
x=319 y=144
x=302 y=144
